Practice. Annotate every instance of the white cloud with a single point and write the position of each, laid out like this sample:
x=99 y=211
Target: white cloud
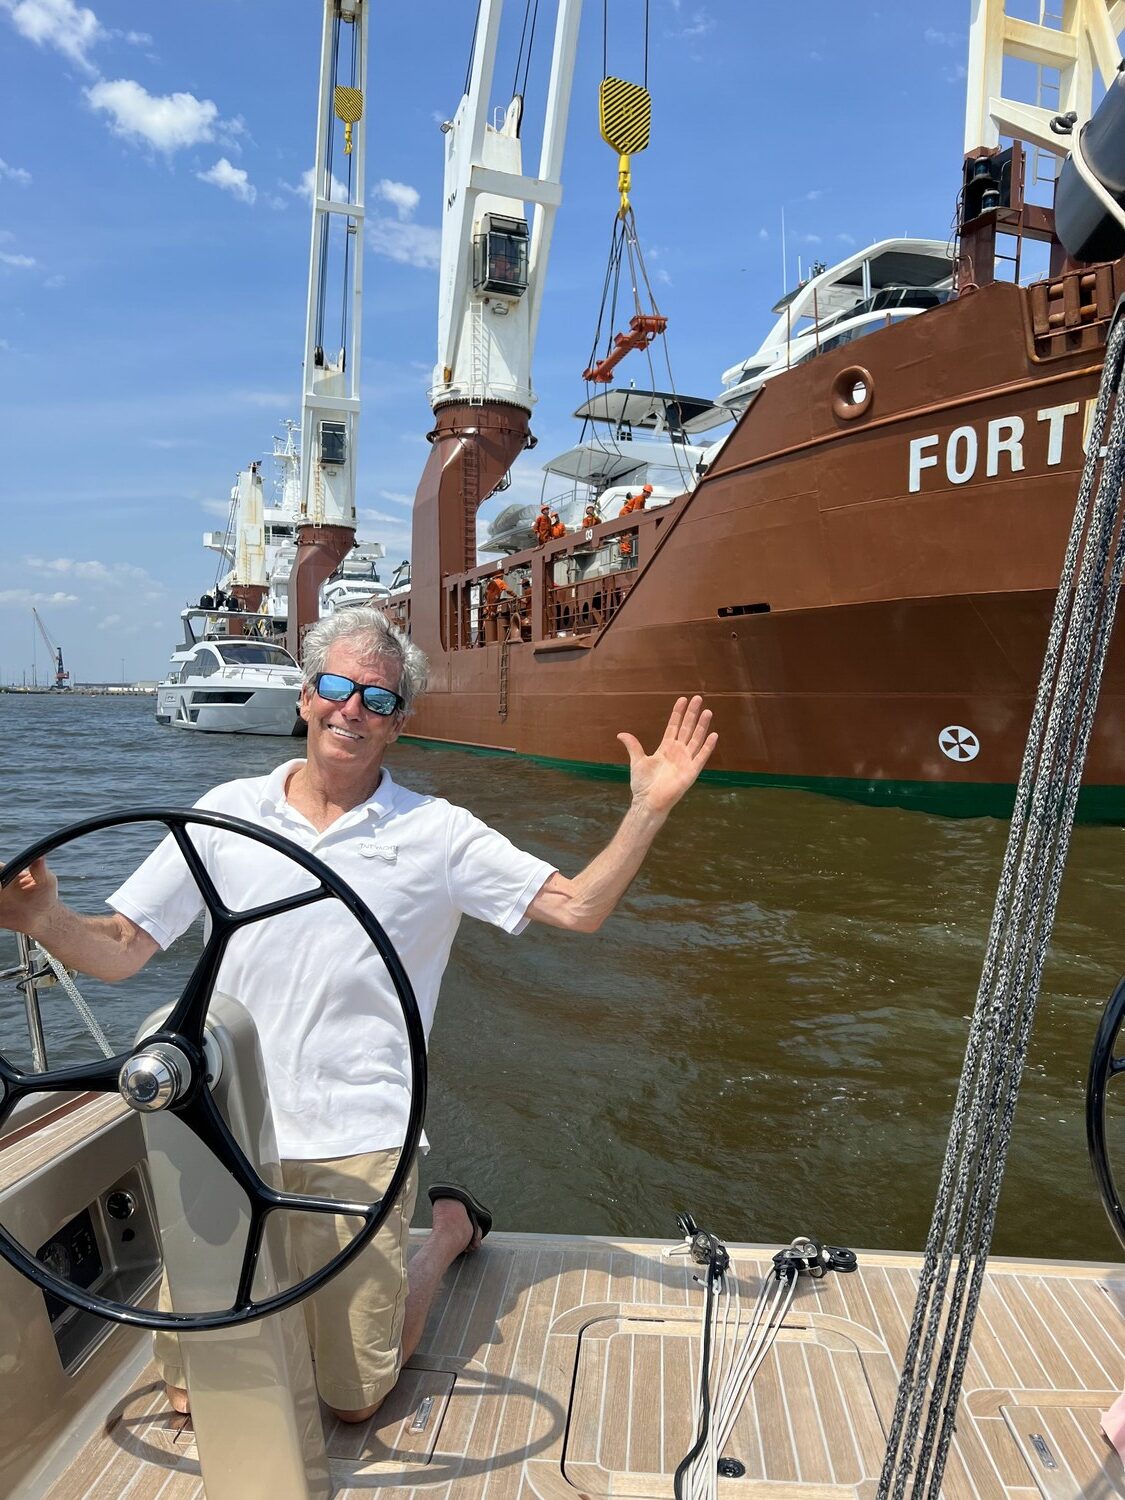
x=399 y=239
x=304 y=188
x=763 y=234
x=396 y=497
x=231 y=179
x=17 y=262
x=378 y=515
x=403 y=198
x=14 y=174
x=847 y=239
x=72 y=29
x=92 y=571
x=661 y=275
x=216 y=508
x=935 y=38
x=282 y=400
x=409 y=244
x=700 y=23
x=168 y=122
x=28 y=596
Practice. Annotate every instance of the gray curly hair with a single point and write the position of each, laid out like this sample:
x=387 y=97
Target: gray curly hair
x=372 y=633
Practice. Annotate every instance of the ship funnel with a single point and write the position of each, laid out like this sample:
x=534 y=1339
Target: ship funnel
x=1089 y=219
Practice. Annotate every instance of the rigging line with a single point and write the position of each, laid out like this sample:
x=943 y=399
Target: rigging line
x=1046 y=799
x=610 y=292
x=344 y=299
x=605 y=38
x=519 y=53
x=527 y=14
x=530 y=45
x=472 y=49
x=646 y=45
x=326 y=187
x=614 y=254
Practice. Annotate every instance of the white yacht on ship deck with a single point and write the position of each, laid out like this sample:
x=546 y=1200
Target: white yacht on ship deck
x=635 y=437
x=885 y=283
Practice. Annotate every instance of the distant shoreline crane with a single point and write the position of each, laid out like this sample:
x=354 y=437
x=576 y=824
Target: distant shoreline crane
x=62 y=676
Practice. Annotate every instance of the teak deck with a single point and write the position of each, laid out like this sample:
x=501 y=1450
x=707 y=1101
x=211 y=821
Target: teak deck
x=560 y=1367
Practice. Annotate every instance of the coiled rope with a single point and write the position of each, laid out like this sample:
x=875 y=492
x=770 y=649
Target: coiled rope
x=1038 y=842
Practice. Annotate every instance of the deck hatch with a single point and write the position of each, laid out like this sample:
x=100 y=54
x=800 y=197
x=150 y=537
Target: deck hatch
x=1064 y=1449
x=632 y=1411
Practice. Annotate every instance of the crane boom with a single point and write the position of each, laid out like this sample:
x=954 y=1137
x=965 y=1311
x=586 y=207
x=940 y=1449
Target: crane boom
x=62 y=676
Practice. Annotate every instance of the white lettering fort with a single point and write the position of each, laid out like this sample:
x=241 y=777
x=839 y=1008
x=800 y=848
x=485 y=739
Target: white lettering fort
x=997 y=449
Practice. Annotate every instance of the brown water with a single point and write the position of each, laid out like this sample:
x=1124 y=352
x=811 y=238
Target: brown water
x=768 y=1033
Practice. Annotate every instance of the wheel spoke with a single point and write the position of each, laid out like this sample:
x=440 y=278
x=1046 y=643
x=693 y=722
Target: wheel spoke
x=190 y=1010
x=91 y=1078
x=275 y=908
x=202 y=1116
x=304 y=1203
x=200 y=874
x=243 y=1299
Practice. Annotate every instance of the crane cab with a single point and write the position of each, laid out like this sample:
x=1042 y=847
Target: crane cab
x=500 y=256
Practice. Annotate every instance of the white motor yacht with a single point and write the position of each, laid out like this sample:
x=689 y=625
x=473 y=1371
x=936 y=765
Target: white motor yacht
x=229 y=684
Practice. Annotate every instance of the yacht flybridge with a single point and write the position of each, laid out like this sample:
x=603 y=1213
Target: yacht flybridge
x=887 y=283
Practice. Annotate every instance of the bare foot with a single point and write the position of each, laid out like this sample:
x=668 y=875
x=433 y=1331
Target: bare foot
x=178 y=1398
x=451 y=1218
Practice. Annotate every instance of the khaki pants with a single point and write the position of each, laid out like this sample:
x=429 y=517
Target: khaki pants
x=355 y=1322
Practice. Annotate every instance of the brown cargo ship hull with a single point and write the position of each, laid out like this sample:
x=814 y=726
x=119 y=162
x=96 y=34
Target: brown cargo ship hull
x=861 y=584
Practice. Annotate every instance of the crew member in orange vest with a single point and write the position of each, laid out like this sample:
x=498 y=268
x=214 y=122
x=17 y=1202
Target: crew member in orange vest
x=591 y=518
x=557 y=527
x=542 y=526
x=639 y=502
x=494 y=591
x=628 y=506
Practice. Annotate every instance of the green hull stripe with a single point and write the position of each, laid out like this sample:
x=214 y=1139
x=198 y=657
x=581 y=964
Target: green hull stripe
x=951 y=799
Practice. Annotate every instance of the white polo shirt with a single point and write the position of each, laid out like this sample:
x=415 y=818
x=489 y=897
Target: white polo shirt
x=332 y=1034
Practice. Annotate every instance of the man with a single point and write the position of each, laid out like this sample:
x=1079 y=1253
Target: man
x=332 y=1041
x=558 y=529
x=542 y=526
x=494 y=591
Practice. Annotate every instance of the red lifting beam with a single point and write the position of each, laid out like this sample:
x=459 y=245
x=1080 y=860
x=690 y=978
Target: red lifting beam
x=645 y=327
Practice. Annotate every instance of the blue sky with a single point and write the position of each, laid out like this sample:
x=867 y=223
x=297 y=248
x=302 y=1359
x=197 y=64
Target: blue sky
x=154 y=245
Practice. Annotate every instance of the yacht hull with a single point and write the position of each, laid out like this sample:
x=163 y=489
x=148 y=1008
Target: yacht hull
x=861 y=585
x=270 y=710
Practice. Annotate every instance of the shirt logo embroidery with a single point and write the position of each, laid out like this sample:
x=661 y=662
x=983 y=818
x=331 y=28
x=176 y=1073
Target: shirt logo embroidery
x=371 y=850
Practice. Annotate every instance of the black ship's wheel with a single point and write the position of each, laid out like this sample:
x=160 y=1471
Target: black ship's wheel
x=180 y=1042
x=1105 y=1066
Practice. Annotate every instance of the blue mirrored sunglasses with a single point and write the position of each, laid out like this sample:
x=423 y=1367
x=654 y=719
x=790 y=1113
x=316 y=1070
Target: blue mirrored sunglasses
x=377 y=700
